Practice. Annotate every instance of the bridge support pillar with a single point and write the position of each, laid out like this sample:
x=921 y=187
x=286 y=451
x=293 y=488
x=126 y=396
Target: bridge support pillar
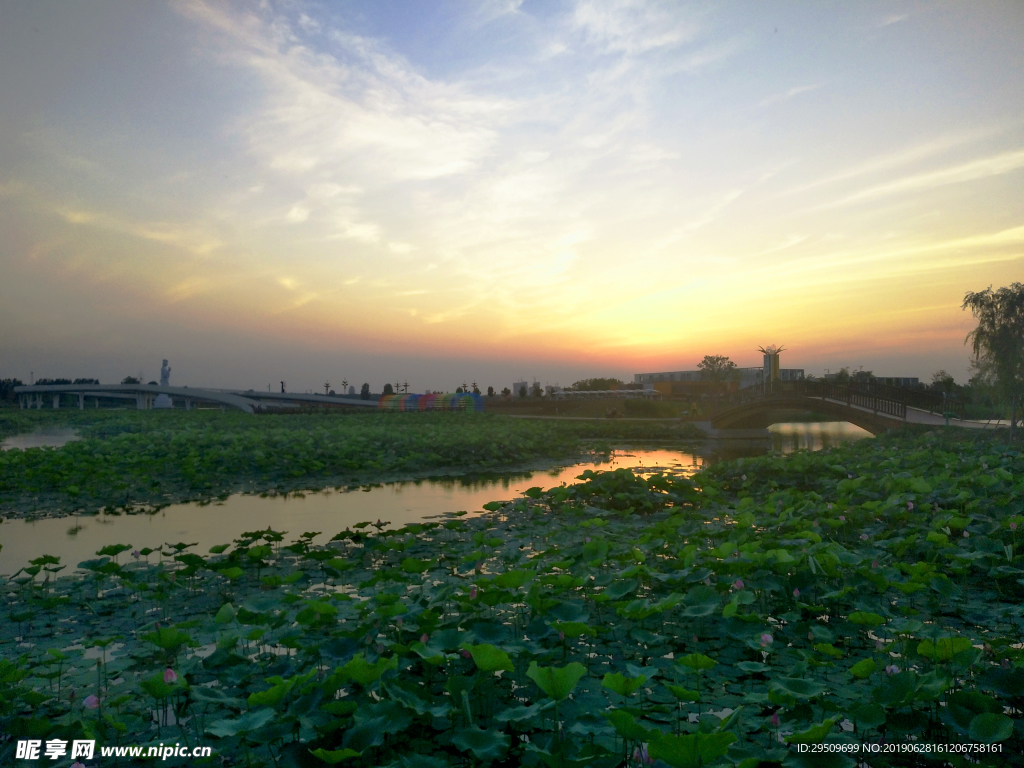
x=39 y=402
x=188 y=403
x=81 y=401
x=140 y=404
x=56 y=402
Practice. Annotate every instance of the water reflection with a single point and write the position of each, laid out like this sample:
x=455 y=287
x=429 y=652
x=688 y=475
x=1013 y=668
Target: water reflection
x=42 y=437
x=75 y=539
x=813 y=436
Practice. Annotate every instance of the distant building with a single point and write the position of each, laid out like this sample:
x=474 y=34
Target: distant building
x=911 y=382
x=694 y=384
x=908 y=382
x=519 y=386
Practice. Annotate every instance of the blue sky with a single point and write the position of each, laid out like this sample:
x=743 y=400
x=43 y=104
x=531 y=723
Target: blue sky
x=498 y=190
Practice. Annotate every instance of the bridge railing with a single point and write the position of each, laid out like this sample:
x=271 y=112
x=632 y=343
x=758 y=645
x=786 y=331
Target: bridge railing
x=879 y=398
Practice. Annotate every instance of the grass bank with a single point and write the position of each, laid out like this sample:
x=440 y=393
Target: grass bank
x=861 y=597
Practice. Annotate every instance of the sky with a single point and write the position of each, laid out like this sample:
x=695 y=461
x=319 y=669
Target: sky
x=443 y=192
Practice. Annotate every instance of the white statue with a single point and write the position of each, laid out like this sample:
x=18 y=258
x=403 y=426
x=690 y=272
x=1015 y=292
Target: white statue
x=164 y=401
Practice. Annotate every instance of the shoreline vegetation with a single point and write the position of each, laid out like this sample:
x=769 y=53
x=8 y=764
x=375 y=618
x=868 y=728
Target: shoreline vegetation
x=860 y=596
x=133 y=462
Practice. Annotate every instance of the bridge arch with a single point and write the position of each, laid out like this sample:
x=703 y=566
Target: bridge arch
x=740 y=415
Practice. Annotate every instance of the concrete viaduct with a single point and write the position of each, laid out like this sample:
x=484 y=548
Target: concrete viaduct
x=144 y=396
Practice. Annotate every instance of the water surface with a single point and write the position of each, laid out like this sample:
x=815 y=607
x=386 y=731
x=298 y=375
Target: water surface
x=42 y=437
x=75 y=539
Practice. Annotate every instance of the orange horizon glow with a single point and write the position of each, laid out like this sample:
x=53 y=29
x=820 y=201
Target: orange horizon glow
x=594 y=189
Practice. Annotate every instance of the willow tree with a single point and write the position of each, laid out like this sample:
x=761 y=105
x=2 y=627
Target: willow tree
x=998 y=341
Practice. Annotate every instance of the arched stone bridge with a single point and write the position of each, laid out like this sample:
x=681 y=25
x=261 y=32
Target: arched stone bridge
x=872 y=407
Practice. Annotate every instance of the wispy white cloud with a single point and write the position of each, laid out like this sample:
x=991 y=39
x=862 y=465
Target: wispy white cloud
x=995 y=165
x=633 y=27
x=789 y=94
x=917 y=152
x=893 y=18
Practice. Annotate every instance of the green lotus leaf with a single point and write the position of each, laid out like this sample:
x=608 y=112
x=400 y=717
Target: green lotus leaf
x=250 y=721
x=797 y=687
x=363 y=672
x=333 y=757
x=486 y=746
x=624 y=686
x=697 y=662
x=488 y=658
x=943 y=649
x=556 y=682
x=683 y=694
x=412 y=565
x=693 y=751
x=815 y=734
x=513 y=579
x=990 y=727
x=863 y=669
x=627 y=726
x=574 y=628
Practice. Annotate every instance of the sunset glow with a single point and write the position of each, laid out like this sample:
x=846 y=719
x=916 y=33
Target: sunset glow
x=436 y=191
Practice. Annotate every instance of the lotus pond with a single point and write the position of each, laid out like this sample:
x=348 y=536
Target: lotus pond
x=206 y=524
x=131 y=460
x=863 y=595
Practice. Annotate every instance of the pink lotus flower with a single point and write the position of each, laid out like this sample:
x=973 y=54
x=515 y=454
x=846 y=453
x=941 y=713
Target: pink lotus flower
x=561 y=636
x=744 y=477
x=136 y=554
x=879 y=645
x=776 y=721
x=767 y=640
x=640 y=755
x=863 y=537
x=696 y=639
x=424 y=638
x=707 y=581
x=170 y=676
x=892 y=669
x=1006 y=663
x=466 y=654
x=842 y=518
x=472 y=593
x=77 y=764
x=796 y=592
x=1013 y=526
x=874 y=563
x=967 y=535
x=910 y=505
x=91 y=702
x=738 y=584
